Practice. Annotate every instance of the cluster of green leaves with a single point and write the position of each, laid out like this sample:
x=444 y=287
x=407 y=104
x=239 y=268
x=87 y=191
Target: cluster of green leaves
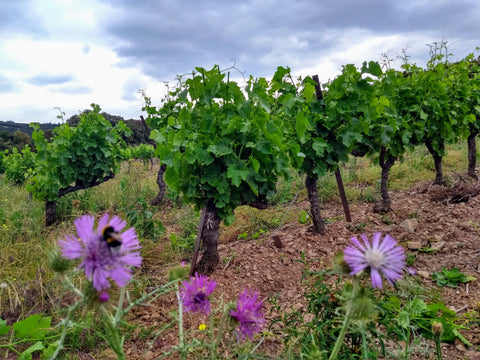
x=220 y=143
x=468 y=81
x=18 y=165
x=401 y=318
x=315 y=139
x=143 y=152
x=451 y=277
x=77 y=156
x=378 y=316
x=28 y=336
x=313 y=336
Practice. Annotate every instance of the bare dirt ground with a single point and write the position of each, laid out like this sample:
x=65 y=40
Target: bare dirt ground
x=425 y=216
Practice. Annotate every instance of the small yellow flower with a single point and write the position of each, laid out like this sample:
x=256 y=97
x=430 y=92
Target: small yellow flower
x=80 y=240
x=202 y=326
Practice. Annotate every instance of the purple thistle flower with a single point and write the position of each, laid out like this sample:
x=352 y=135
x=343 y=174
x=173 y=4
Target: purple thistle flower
x=381 y=258
x=248 y=314
x=194 y=294
x=100 y=261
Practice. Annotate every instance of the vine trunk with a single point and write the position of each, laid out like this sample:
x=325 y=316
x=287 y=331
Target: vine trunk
x=318 y=223
x=383 y=205
x=437 y=158
x=211 y=225
x=472 y=154
x=162 y=187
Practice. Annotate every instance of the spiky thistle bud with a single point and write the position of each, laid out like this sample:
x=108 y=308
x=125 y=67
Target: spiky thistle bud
x=58 y=263
x=437 y=328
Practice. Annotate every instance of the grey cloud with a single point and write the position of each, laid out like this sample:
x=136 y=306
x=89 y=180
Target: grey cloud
x=72 y=89
x=18 y=16
x=48 y=79
x=130 y=89
x=172 y=39
x=169 y=37
x=7 y=85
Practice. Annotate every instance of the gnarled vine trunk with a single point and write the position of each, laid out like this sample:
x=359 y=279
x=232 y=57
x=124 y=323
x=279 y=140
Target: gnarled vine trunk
x=386 y=165
x=50 y=212
x=318 y=223
x=437 y=158
x=210 y=231
x=50 y=206
x=162 y=187
x=472 y=154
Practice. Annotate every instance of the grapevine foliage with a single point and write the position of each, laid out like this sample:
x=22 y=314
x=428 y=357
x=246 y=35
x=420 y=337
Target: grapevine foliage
x=144 y=152
x=220 y=143
x=18 y=166
x=77 y=156
x=230 y=145
x=316 y=142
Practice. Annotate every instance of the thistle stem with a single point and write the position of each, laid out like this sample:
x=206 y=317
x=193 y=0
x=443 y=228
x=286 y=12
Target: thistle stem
x=214 y=342
x=341 y=336
x=66 y=322
x=119 y=313
x=180 y=324
x=438 y=347
x=114 y=339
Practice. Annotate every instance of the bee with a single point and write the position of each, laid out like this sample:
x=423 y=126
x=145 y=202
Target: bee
x=113 y=238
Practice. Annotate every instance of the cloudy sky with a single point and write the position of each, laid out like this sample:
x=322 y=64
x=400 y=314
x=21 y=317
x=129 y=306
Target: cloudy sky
x=69 y=53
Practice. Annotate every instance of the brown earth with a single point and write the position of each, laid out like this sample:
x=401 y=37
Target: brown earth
x=424 y=217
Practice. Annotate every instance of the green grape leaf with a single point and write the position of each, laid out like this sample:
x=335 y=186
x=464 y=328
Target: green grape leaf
x=301 y=126
x=28 y=353
x=255 y=163
x=4 y=328
x=237 y=174
x=33 y=327
x=220 y=149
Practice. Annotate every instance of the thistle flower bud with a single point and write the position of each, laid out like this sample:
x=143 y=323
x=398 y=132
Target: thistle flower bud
x=58 y=263
x=179 y=272
x=339 y=265
x=103 y=296
x=437 y=328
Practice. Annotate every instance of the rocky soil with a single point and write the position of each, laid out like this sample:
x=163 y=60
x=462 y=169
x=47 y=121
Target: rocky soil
x=424 y=217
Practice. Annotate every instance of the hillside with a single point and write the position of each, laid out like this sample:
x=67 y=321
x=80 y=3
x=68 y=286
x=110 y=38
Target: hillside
x=11 y=127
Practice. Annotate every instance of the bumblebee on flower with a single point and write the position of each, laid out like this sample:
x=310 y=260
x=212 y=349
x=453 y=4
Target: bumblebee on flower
x=101 y=258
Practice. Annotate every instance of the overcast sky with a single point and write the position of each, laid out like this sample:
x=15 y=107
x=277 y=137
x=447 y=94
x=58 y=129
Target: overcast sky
x=70 y=53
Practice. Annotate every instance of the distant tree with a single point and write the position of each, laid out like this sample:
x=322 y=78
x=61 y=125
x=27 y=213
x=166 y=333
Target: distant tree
x=6 y=140
x=21 y=139
x=140 y=133
x=75 y=119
